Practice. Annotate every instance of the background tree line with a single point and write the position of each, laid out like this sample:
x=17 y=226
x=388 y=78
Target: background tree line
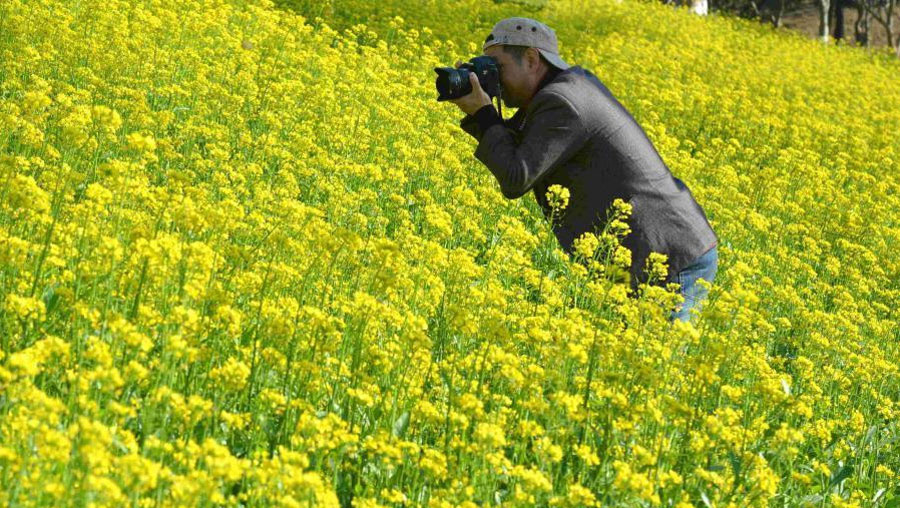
x=870 y=15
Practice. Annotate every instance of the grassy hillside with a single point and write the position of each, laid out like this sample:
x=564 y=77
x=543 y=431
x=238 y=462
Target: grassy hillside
x=247 y=259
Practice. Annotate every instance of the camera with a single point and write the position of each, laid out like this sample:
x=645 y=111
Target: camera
x=454 y=83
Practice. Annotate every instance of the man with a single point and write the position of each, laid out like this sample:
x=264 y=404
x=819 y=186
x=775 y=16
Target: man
x=570 y=130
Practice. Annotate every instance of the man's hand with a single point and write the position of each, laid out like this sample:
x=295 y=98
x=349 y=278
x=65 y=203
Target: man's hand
x=476 y=99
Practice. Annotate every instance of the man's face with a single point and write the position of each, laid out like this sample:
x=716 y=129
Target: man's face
x=518 y=80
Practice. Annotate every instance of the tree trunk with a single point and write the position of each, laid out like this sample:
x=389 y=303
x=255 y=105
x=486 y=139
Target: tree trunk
x=777 y=20
x=824 y=7
x=861 y=27
x=890 y=23
x=699 y=7
x=868 y=26
x=838 y=19
x=757 y=11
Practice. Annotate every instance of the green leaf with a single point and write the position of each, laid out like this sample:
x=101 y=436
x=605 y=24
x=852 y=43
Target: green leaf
x=893 y=502
x=735 y=463
x=842 y=474
x=400 y=425
x=870 y=434
x=811 y=499
x=50 y=297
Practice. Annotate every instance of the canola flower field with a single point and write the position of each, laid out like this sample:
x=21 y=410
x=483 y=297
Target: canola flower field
x=246 y=259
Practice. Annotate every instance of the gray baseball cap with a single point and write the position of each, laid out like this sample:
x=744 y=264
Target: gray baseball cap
x=527 y=32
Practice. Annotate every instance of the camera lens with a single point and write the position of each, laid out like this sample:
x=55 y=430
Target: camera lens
x=454 y=83
x=450 y=82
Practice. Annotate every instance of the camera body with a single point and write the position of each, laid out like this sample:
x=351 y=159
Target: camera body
x=454 y=83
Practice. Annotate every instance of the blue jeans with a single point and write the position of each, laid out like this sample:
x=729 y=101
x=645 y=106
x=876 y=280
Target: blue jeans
x=704 y=268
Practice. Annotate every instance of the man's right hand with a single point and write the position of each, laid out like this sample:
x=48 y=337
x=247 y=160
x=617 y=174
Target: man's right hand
x=475 y=99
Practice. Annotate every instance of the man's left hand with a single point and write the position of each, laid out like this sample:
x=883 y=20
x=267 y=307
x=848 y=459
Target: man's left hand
x=475 y=100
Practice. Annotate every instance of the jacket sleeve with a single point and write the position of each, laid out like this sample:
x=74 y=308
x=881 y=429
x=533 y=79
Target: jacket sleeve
x=472 y=125
x=553 y=133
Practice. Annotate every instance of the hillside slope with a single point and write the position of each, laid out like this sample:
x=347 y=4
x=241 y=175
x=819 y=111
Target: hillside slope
x=248 y=259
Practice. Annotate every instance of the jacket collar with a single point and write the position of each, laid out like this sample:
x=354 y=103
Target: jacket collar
x=518 y=119
x=552 y=73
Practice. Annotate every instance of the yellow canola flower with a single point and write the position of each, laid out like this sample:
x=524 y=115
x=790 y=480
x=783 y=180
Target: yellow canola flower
x=586 y=245
x=141 y=142
x=558 y=197
x=489 y=435
x=233 y=375
x=247 y=188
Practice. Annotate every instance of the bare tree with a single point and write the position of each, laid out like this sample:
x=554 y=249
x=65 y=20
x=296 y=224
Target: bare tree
x=700 y=7
x=861 y=27
x=824 y=8
x=830 y=13
x=769 y=10
x=883 y=12
x=837 y=11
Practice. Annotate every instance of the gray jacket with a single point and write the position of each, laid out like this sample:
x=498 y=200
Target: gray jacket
x=576 y=134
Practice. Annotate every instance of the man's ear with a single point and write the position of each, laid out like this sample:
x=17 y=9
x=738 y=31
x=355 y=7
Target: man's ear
x=534 y=57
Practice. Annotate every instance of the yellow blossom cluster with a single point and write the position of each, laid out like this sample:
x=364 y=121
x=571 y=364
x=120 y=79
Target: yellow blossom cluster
x=246 y=259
